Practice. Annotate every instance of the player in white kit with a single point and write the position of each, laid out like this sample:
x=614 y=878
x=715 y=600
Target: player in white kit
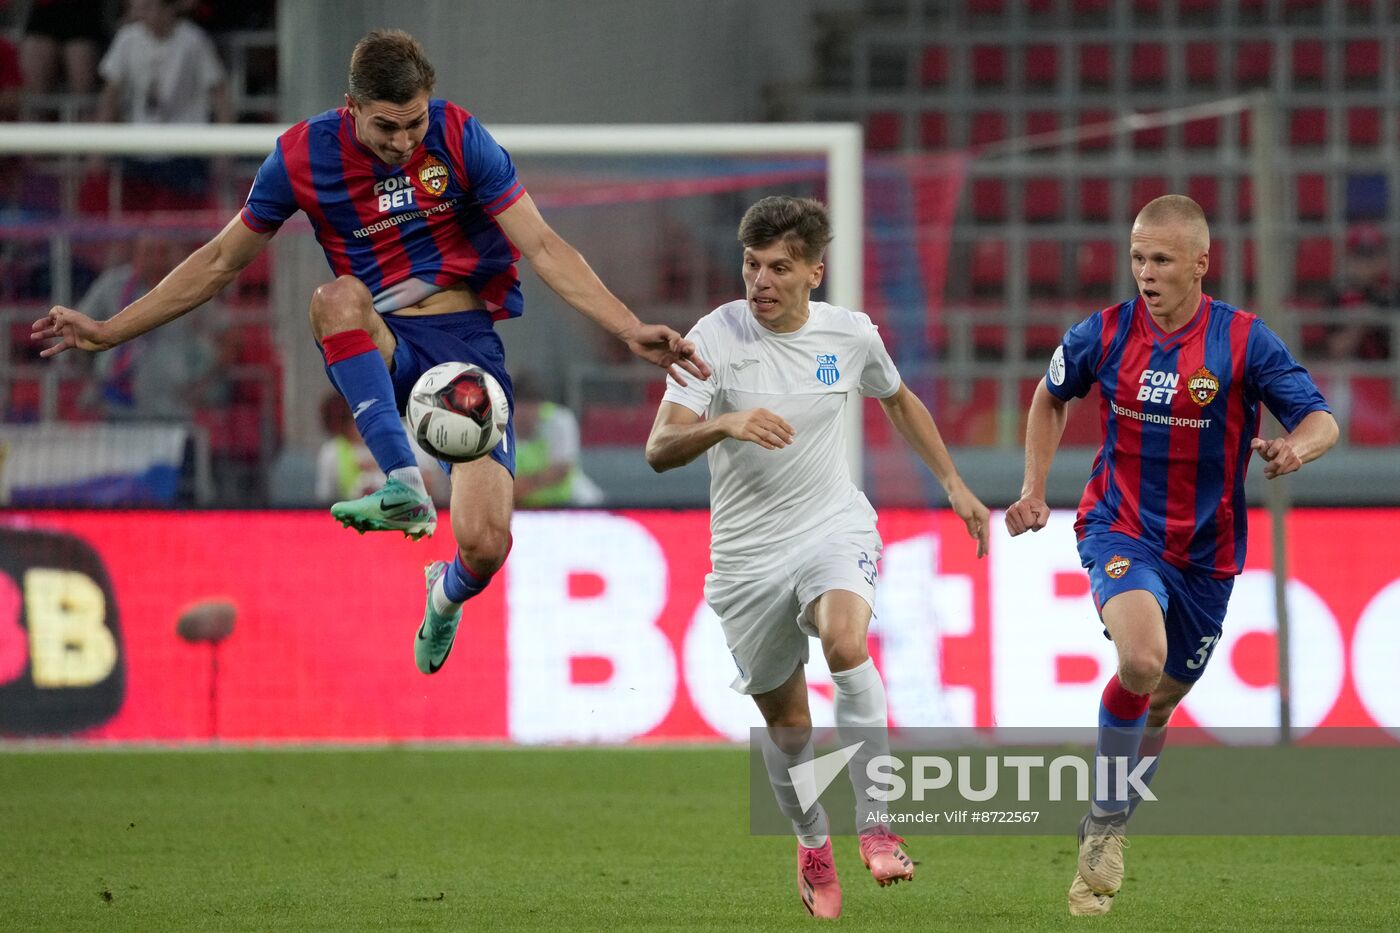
x=792 y=540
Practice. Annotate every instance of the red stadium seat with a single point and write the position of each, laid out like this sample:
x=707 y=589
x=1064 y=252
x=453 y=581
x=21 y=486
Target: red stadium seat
x=1044 y=268
x=1041 y=121
x=988 y=66
x=616 y=425
x=1202 y=63
x=1312 y=265
x=882 y=130
x=1095 y=266
x=933 y=66
x=1312 y=196
x=1095 y=199
x=1089 y=118
x=1362 y=63
x=933 y=130
x=1309 y=63
x=1244 y=199
x=1307 y=126
x=1148 y=66
x=988 y=126
x=1150 y=139
x=988 y=200
x=1095 y=65
x=986 y=7
x=1375 y=415
x=1201 y=134
x=1204 y=190
x=1145 y=189
x=1195 y=10
x=988 y=267
x=1363 y=127
x=1044 y=200
x=1253 y=63
x=1042 y=67
x=1244 y=131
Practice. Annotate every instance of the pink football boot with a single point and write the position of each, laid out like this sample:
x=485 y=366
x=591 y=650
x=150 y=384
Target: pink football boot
x=880 y=851
x=816 y=881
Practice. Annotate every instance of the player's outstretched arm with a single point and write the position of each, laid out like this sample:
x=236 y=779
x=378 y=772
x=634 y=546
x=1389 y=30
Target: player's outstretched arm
x=565 y=270
x=679 y=435
x=200 y=277
x=912 y=420
x=1045 y=425
x=1312 y=438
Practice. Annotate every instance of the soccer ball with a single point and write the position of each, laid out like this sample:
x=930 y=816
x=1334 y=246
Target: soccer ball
x=457 y=412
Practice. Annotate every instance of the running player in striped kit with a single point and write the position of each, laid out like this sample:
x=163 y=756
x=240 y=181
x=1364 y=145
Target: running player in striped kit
x=422 y=219
x=1161 y=526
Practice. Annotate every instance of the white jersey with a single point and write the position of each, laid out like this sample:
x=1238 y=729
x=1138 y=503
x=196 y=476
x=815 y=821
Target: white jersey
x=763 y=502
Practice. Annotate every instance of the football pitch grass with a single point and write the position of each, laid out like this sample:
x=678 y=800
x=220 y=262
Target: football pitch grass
x=464 y=838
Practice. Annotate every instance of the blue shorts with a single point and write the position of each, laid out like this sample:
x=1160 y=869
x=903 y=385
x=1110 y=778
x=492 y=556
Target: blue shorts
x=1193 y=604
x=461 y=337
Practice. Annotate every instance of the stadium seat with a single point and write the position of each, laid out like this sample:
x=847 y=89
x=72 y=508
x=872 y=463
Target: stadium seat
x=986 y=8
x=1368 y=193
x=1095 y=265
x=1312 y=265
x=988 y=126
x=1253 y=63
x=1145 y=189
x=1095 y=199
x=1312 y=196
x=1244 y=198
x=933 y=66
x=1044 y=268
x=1041 y=121
x=1148 y=66
x=988 y=199
x=1375 y=415
x=1309 y=63
x=1201 y=134
x=988 y=66
x=1362 y=63
x=1198 y=12
x=1150 y=139
x=616 y=425
x=1307 y=126
x=1041 y=68
x=1095 y=65
x=1244 y=129
x=1202 y=64
x=933 y=130
x=988 y=267
x=882 y=131
x=1204 y=190
x=1043 y=201
x=24 y=401
x=1089 y=118
x=1363 y=127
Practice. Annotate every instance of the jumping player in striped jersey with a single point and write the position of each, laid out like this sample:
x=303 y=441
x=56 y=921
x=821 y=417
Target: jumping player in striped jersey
x=422 y=220
x=1161 y=526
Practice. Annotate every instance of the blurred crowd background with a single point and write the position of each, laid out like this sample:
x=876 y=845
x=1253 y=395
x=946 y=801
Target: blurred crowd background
x=1007 y=153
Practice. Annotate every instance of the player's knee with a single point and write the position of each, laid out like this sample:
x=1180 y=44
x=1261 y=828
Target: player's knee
x=485 y=550
x=845 y=651
x=340 y=305
x=1140 y=670
x=790 y=731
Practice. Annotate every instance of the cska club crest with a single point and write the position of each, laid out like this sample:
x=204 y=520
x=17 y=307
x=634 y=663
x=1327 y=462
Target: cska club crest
x=1201 y=386
x=826 y=368
x=432 y=175
x=1117 y=566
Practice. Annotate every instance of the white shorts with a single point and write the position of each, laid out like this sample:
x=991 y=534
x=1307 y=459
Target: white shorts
x=765 y=619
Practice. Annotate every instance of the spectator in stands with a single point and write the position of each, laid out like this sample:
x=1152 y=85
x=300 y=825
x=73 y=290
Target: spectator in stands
x=169 y=377
x=1366 y=286
x=72 y=32
x=11 y=80
x=162 y=68
x=345 y=468
x=547 y=473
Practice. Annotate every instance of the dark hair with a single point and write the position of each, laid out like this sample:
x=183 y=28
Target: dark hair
x=390 y=65
x=800 y=224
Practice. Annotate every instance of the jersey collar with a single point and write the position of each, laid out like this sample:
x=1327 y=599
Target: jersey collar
x=1176 y=336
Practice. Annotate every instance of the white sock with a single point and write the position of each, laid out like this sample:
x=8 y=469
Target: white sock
x=412 y=477
x=810 y=827
x=441 y=604
x=861 y=716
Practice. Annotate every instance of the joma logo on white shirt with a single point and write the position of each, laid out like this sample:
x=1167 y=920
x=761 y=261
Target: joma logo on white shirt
x=1155 y=385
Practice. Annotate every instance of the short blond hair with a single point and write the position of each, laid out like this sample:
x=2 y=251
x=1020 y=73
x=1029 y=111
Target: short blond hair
x=1173 y=210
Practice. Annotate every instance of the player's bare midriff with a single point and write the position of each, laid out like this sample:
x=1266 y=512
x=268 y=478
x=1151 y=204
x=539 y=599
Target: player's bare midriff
x=456 y=298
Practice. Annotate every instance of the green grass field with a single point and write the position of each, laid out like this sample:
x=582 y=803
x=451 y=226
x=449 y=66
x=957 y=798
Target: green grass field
x=478 y=839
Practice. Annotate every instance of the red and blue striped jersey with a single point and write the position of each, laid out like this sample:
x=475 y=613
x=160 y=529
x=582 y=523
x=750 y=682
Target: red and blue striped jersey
x=406 y=231
x=1179 y=411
